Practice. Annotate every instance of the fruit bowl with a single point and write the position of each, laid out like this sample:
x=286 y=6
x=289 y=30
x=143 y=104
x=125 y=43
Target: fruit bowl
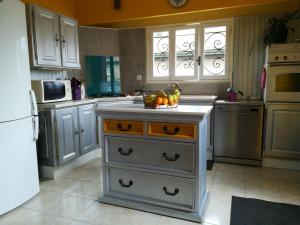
x=161 y=99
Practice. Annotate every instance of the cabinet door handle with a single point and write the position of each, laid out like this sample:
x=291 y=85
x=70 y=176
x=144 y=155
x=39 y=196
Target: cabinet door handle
x=76 y=132
x=125 y=185
x=82 y=130
x=124 y=129
x=125 y=153
x=176 y=191
x=56 y=38
x=176 y=156
x=176 y=130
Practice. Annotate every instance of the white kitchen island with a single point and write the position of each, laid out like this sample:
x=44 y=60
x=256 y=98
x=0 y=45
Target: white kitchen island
x=155 y=159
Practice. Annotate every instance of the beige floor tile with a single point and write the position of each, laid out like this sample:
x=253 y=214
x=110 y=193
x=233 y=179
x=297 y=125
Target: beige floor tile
x=173 y=221
x=18 y=216
x=47 y=219
x=230 y=169
x=217 y=212
x=95 y=164
x=84 y=174
x=60 y=185
x=82 y=223
x=91 y=190
x=58 y=204
x=235 y=183
x=135 y=217
x=287 y=175
x=100 y=213
x=272 y=197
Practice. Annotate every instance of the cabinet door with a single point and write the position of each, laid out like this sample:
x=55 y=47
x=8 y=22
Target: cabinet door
x=69 y=42
x=282 y=131
x=87 y=124
x=46 y=36
x=67 y=134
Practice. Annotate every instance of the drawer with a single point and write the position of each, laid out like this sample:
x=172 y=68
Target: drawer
x=178 y=130
x=173 y=192
x=124 y=127
x=160 y=155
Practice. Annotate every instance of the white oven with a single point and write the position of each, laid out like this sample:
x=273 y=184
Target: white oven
x=283 y=73
x=52 y=90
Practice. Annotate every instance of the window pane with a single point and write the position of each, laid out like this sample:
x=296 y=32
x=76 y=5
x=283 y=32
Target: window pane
x=185 y=52
x=161 y=54
x=214 y=51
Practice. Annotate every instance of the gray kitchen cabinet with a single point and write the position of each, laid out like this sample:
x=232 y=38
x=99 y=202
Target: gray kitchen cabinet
x=282 y=131
x=65 y=134
x=53 y=39
x=67 y=130
x=69 y=42
x=46 y=38
x=87 y=125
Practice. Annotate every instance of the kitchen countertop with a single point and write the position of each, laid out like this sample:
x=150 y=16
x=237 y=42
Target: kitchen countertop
x=188 y=98
x=240 y=102
x=187 y=110
x=56 y=105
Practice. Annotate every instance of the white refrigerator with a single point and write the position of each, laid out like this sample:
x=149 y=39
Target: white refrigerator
x=18 y=112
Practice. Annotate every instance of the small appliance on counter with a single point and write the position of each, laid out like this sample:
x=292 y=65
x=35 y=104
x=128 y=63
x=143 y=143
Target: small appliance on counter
x=52 y=90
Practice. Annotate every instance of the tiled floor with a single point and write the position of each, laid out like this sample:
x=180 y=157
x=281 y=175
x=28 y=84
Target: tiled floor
x=71 y=199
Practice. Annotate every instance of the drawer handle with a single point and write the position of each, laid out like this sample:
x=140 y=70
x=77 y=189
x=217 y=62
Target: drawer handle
x=124 y=129
x=176 y=191
x=176 y=130
x=176 y=156
x=125 y=185
x=125 y=153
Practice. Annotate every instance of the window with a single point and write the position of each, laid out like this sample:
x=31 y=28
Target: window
x=192 y=52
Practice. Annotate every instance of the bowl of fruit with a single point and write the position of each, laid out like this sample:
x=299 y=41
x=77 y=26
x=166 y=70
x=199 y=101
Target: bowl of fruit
x=161 y=99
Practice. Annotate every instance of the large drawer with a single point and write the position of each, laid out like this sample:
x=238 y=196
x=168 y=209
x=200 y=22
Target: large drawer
x=176 y=130
x=124 y=127
x=172 y=192
x=162 y=155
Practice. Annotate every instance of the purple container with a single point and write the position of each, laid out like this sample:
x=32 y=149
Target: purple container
x=76 y=93
x=231 y=96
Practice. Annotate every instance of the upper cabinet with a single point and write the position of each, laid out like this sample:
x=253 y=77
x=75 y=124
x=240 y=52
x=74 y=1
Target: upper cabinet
x=53 y=39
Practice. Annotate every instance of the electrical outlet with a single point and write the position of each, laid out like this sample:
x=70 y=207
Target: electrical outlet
x=139 y=77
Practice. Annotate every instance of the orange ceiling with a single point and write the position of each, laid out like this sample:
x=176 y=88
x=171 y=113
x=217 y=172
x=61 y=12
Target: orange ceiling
x=139 y=13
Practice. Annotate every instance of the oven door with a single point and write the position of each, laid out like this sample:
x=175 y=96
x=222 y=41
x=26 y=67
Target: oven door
x=283 y=83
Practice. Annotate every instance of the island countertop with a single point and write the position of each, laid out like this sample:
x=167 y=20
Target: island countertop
x=186 y=110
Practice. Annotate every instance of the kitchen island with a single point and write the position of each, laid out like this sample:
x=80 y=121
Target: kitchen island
x=155 y=159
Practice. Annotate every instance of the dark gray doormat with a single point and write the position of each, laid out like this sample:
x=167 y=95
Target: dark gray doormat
x=248 y=211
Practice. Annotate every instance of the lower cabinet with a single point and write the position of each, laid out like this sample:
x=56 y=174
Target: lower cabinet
x=282 y=130
x=67 y=131
x=66 y=134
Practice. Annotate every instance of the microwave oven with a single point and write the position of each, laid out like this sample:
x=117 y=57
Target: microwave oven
x=52 y=90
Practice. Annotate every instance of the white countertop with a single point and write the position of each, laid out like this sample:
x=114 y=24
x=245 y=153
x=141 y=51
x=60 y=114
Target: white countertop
x=56 y=105
x=187 y=110
x=240 y=102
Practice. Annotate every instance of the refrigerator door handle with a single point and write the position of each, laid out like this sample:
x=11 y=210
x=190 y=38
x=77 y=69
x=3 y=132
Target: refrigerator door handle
x=34 y=108
x=35 y=120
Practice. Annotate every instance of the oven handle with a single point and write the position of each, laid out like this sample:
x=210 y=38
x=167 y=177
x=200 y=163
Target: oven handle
x=296 y=63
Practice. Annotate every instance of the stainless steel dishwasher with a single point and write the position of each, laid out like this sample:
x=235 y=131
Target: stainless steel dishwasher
x=238 y=130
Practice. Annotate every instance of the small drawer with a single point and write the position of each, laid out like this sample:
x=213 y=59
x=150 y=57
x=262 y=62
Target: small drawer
x=178 y=130
x=173 y=192
x=170 y=156
x=123 y=127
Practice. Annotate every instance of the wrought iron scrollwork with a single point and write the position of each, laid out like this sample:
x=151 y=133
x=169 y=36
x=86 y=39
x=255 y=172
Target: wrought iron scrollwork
x=215 y=57
x=186 y=55
x=162 y=56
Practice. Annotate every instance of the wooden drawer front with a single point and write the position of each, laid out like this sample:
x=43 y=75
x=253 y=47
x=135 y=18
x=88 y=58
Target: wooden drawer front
x=162 y=155
x=178 y=130
x=173 y=192
x=124 y=127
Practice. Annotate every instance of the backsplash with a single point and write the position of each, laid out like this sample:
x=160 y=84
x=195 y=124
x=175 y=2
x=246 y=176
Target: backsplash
x=38 y=74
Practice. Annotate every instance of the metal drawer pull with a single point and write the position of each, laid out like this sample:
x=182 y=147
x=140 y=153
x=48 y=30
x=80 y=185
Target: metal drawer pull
x=76 y=133
x=254 y=110
x=125 y=153
x=82 y=130
x=176 y=130
x=176 y=156
x=176 y=191
x=125 y=185
x=124 y=129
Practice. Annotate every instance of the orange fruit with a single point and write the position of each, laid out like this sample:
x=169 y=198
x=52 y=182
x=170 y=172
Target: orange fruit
x=165 y=101
x=159 y=100
x=171 y=103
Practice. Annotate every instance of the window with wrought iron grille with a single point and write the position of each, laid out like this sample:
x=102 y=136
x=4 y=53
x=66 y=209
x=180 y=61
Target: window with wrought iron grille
x=195 y=52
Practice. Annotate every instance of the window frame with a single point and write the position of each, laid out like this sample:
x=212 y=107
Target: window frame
x=199 y=37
